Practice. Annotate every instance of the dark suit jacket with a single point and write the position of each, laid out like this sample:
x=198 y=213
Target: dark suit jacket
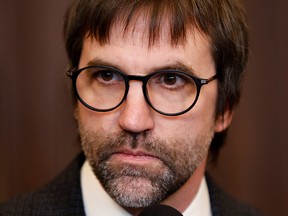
x=63 y=197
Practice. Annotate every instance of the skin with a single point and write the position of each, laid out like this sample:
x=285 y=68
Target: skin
x=131 y=54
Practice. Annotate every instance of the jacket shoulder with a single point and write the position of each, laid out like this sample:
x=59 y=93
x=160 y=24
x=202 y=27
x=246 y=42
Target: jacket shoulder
x=62 y=196
x=223 y=204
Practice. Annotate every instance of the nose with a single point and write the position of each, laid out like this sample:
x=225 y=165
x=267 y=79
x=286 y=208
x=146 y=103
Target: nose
x=136 y=115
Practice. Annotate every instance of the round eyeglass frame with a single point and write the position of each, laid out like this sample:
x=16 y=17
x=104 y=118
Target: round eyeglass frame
x=74 y=73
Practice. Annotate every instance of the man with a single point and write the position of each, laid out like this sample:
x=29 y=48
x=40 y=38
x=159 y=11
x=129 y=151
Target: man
x=155 y=85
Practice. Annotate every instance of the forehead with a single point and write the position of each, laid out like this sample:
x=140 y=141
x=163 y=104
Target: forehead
x=140 y=28
x=153 y=26
x=132 y=55
x=132 y=47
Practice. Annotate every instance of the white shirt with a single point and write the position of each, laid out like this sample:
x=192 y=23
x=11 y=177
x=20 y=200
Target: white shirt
x=98 y=202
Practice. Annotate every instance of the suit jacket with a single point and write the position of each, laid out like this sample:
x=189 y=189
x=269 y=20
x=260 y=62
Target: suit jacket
x=63 y=197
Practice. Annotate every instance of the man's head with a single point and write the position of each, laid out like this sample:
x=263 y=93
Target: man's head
x=142 y=156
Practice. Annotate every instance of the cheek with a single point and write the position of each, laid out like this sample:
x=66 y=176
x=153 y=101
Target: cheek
x=189 y=126
x=97 y=121
x=198 y=121
x=206 y=105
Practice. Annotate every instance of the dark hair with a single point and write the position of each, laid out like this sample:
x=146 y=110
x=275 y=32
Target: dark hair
x=222 y=21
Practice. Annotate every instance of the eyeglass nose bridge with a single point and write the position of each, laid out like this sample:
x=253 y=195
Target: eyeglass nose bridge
x=143 y=79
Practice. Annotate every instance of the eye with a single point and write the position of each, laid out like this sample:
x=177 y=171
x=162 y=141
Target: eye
x=106 y=77
x=171 y=80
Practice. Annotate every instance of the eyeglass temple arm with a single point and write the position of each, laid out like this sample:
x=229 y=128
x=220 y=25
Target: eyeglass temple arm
x=211 y=78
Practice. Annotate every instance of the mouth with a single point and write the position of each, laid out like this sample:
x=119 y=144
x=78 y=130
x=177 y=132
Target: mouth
x=134 y=157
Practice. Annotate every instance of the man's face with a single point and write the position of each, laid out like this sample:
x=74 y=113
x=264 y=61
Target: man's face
x=140 y=156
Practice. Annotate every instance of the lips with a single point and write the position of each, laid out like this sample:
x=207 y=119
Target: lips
x=134 y=156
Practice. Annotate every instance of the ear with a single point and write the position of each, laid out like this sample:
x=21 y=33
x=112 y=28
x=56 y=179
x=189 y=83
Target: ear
x=223 y=121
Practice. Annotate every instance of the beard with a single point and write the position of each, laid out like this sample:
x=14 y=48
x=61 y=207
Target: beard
x=135 y=185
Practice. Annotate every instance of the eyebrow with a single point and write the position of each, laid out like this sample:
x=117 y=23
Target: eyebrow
x=177 y=65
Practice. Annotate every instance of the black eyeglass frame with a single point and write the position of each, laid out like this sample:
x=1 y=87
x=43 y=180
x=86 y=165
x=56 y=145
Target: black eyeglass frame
x=74 y=73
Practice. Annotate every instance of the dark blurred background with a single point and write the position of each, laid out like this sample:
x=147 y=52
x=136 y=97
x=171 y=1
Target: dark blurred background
x=38 y=136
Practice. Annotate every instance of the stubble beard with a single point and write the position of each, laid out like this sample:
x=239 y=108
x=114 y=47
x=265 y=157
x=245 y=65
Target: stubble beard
x=137 y=186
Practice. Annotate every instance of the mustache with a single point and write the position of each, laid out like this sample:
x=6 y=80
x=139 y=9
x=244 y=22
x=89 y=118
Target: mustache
x=124 y=139
x=133 y=140
x=104 y=147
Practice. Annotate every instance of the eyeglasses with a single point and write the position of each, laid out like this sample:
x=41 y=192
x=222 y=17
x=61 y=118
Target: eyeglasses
x=169 y=92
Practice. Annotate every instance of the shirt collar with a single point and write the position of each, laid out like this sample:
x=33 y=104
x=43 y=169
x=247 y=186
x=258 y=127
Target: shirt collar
x=98 y=202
